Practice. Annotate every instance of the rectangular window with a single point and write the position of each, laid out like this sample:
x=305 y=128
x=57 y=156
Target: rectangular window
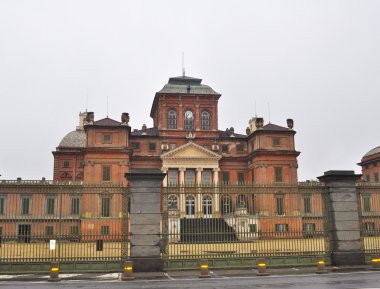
x=189 y=177
x=224 y=148
x=152 y=146
x=252 y=228
x=106 y=173
x=376 y=177
x=226 y=177
x=107 y=138
x=106 y=201
x=206 y=177
x=367 y=178
x=282 y=228
x=66 y=164
x=280 y=205
x=253 y=175
x=136 y=145
x=25 y=205
x=276 y=142
x=74 y=230
x=278 y=174
x=2 y=205
x=375 y=164
x=239 y=148
x=105 y=230
x=172 y=177
x=50 y=205
x=367 y=203
x=74 y=206
x=369 y=226
x=307 y=203
x=241 y=178
x=309 y=227
x=49 y=231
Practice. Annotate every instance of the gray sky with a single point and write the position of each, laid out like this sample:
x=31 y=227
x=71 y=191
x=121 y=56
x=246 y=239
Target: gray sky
x=314 y=61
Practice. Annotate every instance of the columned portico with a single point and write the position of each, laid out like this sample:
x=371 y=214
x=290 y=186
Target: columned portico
x=193 y=166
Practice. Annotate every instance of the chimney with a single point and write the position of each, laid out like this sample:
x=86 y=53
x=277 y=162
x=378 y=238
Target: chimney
x=259 y=122
x=82 y=118
x=290 y=123
x=143 y=129
x=124 y=118
x=253 y=124
x=89 y=118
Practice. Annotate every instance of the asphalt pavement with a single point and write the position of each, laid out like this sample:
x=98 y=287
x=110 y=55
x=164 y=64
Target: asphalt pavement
x=288 y=278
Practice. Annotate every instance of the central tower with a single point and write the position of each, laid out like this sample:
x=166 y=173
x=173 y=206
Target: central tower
x=186 y=105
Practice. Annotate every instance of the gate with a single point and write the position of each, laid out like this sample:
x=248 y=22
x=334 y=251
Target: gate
x=233 y=225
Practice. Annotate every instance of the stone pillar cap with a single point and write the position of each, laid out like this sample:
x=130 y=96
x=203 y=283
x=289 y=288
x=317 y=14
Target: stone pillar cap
x=339 y=175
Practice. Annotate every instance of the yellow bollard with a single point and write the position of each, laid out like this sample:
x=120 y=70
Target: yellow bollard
x=321 y=266
x=127 y=274
x=205 y=271
x=375 y=261
x=54 y=272
x=262 y=267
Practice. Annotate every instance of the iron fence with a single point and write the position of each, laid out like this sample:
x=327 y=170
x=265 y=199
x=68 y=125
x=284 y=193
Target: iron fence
x=237 y=221
x=369 y=216
x=87 y=222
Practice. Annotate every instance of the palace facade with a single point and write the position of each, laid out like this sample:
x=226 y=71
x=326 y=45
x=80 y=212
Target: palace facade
x=208 y=172
x=185 y=142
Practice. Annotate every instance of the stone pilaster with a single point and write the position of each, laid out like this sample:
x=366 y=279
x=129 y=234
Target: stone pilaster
x=343 y=218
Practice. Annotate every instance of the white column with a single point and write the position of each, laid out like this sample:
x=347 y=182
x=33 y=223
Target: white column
x=199 y=176
x=199 y=213
x=216 y=197
x=182 y=192
x=215 y=176
x=182 y=176
x=165 y=180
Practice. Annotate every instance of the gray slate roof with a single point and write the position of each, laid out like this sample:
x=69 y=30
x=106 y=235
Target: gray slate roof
x=181 y=84
x=149 y=132
x=74 y=139
x=373 y=151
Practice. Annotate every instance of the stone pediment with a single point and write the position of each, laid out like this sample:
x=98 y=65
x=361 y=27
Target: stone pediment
x=191 y=151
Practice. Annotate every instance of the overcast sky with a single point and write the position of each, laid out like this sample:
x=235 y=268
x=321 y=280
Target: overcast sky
x=317 y=62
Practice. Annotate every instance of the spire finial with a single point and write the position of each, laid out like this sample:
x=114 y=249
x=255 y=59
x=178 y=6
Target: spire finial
x=183 y=63
x=107 y=106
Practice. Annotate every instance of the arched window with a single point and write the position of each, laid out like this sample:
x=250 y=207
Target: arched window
x=188 y=120
x=173 y=202
x=190 y=206
x=172 y=119
x=205 y=120
x=242 y=202
x=226 y=205
x=207 y=206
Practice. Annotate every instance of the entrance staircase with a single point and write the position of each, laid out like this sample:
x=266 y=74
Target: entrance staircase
x=208 y=230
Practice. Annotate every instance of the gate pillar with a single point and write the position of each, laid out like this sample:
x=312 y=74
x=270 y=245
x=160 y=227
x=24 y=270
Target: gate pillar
x=145 y=216
x=343 y=218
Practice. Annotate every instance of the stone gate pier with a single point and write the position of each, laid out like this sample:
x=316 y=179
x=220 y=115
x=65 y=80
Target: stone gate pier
x=145 y=216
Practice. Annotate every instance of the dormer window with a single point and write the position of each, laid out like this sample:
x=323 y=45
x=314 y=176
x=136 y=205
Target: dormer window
x=172 y=119
x=205 y=120
x=188 y=122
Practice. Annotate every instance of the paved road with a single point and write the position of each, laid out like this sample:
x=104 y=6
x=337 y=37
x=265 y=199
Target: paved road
x=357 y=280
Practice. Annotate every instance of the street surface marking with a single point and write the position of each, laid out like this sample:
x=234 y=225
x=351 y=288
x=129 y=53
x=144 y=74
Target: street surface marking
x=109 y=276
x=13 y=276
x=167 y=275
x=62 y=276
